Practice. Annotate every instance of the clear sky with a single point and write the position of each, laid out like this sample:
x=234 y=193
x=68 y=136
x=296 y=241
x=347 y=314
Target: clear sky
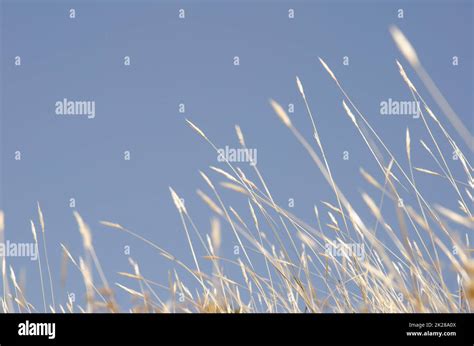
x=191 y=61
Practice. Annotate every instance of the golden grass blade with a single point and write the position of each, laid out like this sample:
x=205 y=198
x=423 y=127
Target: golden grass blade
x=404 y=46
x=281 y=113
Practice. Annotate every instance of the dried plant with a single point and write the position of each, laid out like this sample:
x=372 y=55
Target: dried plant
x=408 y=273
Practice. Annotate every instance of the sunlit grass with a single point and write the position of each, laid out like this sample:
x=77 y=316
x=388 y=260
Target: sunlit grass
x=408 y=273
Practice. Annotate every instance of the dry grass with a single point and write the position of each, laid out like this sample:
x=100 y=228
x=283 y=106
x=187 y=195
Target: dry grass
x=408 y=273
